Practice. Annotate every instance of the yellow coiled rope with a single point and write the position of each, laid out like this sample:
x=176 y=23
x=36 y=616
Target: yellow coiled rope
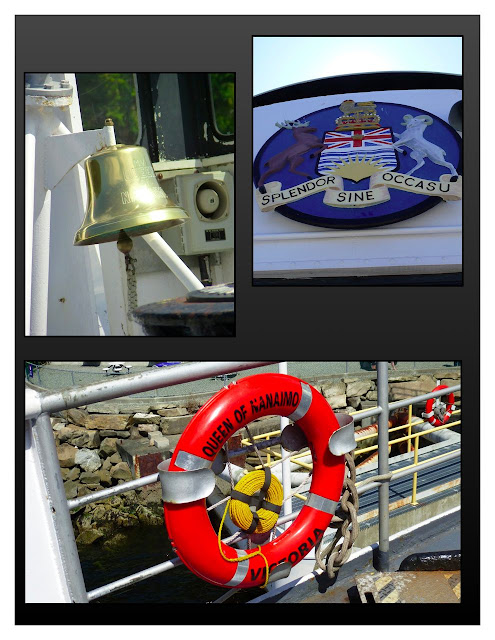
x=240 y=512
x=242 y=515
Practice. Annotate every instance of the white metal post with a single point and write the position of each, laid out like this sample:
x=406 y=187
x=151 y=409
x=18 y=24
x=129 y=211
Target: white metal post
x=30 y=164
x=173 y=262
x=40 y=266
x=382 y=556
x=53 y=569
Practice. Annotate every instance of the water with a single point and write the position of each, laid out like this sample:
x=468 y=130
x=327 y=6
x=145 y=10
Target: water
x=144 y=548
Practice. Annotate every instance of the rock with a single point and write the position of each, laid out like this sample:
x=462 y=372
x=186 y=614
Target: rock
x=337 y=402
x=66 y=455
x=193 y=406
x=354 y=402
x=75 y=416
x=153 y=434
x=88 y=459
x=104 y=421
x=115 y=458
x=151 y=495
x=116 y=501
x=111 y=433
x=450 y=383
x=144 y=429
x=135 y=435
x=107 y=464
x=372 y=395
x=70 y=474
x=143 y=418
x=147 y=517
x=163 y=405
x=71 y=489
x=105 y=479
x=359 y=387
x=137 y=407
x=115 y=541
x=402 y=390
x=173 y=426
x=89 y=536
x=88 y=477
x=160 y=441
x=57 y=423
x=172 y=412
x=331 y=389
x=103 y=407
x=108 y=447
x=121 y=471
x=79 y=437
x=99 y=512
x=85 y=489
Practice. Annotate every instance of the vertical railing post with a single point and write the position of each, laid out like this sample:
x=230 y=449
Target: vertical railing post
x=415 y=476
x=382 y=557
x=51 y=552
x=286 y=480
x=409 y=427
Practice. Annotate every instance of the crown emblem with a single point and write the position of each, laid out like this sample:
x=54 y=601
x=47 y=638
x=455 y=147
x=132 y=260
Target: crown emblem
x=357 y=115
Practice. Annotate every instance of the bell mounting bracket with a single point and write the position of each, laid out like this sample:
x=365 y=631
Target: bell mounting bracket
x=64 y=150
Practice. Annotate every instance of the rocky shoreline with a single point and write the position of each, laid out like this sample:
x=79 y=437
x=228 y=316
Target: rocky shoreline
x=106 y=444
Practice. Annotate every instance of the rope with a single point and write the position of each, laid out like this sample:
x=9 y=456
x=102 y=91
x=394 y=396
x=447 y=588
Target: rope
x=241 y=513
x=251 y=555
x=131 y=284
x=347 y=526
x=254 y=445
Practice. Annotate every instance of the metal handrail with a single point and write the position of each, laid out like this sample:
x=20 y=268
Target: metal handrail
x=39 y=405
x=176 y=562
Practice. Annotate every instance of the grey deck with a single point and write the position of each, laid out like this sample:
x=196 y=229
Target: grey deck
x=443 y=534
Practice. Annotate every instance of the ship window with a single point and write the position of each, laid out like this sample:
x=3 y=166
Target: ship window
x=109 y=95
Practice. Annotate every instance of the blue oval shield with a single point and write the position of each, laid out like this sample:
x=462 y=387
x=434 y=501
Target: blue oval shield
x=358 y=165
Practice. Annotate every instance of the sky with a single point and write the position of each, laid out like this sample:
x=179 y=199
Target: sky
x=280 y=61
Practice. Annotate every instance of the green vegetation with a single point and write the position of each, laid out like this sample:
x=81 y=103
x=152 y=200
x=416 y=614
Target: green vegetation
x=109 y=95
x=222 y=90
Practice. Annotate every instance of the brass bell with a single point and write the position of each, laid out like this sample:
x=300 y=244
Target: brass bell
x=124 y=197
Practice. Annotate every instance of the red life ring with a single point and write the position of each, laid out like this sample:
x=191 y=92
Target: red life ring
x=188 y=525
x=434 y=408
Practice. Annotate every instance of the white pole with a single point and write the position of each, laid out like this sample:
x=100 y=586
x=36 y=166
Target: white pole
x=173 y=262
x=286 y=477
x=30 y=160
x=41 y=268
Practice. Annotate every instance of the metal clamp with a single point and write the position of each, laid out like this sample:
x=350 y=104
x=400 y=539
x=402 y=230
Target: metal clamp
x=181 y=487
x=343 y=440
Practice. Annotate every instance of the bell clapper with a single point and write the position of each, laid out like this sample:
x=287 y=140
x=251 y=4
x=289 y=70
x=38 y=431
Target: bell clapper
x=124 y=243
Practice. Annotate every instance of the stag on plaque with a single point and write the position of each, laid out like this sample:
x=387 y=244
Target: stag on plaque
x=379 y=163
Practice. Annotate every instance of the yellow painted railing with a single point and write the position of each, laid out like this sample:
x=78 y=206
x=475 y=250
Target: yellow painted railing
x=408 y=438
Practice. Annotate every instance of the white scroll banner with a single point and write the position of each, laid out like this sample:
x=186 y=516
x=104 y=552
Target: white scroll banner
x=378 y=191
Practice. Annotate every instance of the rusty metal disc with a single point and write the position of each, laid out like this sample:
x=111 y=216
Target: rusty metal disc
x=216 y=293
x=207 y=312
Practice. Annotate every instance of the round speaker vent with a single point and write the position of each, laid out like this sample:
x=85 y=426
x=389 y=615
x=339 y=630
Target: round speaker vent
x=212 y=201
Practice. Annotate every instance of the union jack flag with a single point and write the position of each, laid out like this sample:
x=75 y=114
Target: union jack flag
x=375 y=144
